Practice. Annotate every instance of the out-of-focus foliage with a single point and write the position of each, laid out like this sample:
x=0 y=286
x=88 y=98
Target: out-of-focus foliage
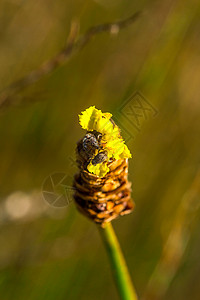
x=56 y=253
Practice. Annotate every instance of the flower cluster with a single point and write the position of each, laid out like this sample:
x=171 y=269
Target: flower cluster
x=112 y=142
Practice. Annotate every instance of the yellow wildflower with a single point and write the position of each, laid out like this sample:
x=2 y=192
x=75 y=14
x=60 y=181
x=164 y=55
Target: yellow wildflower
x=93 y=119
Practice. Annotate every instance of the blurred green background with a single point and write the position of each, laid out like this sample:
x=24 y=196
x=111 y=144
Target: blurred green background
x=56 y=253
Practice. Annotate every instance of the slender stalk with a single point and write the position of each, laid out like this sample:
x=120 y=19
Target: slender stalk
x=118 y=264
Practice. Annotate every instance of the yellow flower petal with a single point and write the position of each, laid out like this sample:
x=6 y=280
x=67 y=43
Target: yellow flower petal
x=100 y=169
x=126 y=153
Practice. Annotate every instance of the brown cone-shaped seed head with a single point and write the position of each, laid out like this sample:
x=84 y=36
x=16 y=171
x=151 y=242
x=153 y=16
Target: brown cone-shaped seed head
x=102 y=199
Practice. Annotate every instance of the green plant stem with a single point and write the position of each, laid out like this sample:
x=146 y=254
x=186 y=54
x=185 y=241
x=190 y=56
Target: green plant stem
x=118 y=264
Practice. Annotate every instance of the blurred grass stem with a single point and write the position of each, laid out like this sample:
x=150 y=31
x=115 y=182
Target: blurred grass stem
x=75 y=44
